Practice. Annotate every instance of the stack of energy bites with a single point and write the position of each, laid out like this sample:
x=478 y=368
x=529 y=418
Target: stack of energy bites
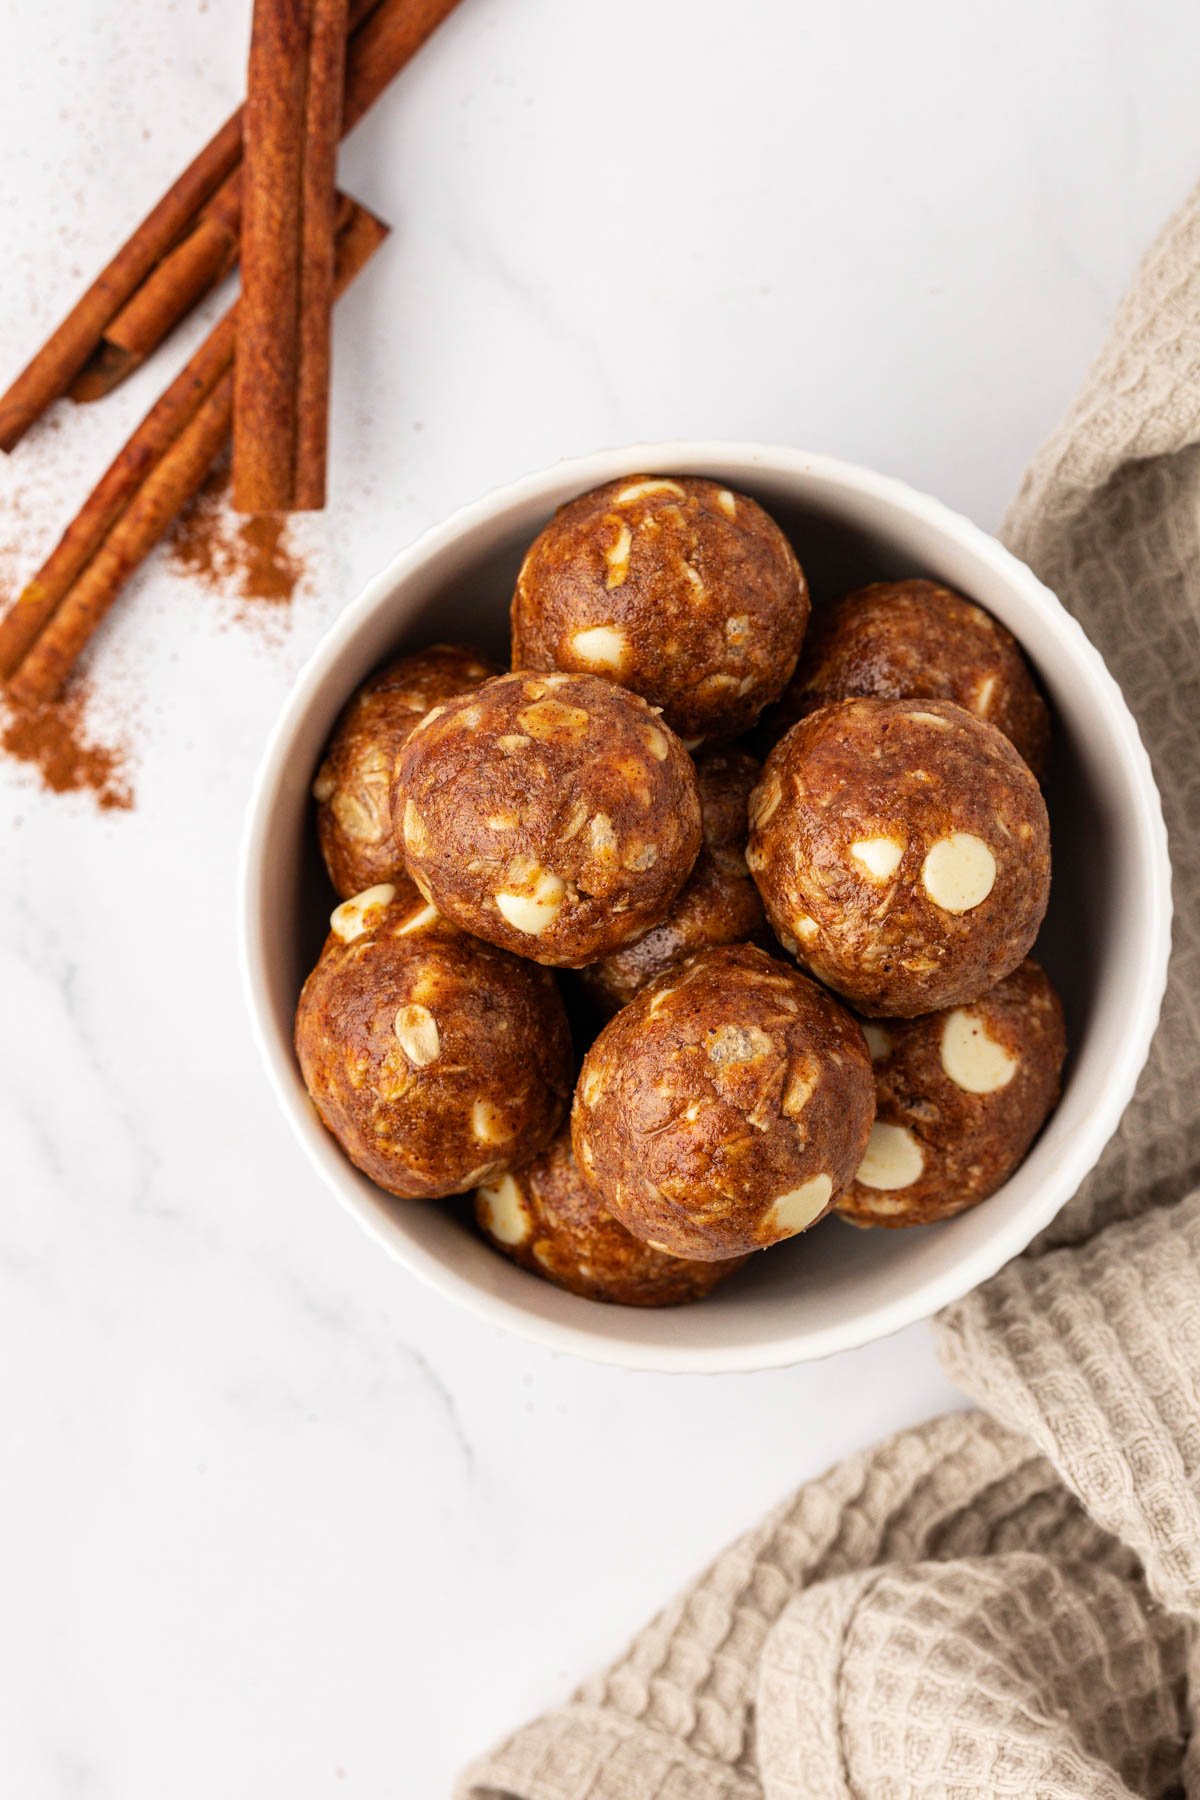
x=813 y=972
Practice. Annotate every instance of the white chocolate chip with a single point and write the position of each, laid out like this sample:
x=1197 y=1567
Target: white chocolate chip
x=505 y=1213
x=928 y=718
x=536 y=910
x=806 y=928
x=349 y=920
x=600 y=647
x=324 y=785
x=971 y=1057
x=550 y=718
x=428 y=915
x=418 y=1036
x=488 y=1123
x=617 y=556
x=656 y=743
x=793 y=1211
x=755 y=860
x=878 y=1041
x=639 y=489
x=894 y=1158
x=879 y=856
x=727 y=503
x=788 y=941
x=959 y=872
x=512 y=741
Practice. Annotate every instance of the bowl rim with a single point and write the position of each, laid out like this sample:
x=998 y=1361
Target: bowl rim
x=928 y=1293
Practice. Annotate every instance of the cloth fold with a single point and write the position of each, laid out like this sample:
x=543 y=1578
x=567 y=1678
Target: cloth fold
x=1010 y=1674
x=1003 y=1601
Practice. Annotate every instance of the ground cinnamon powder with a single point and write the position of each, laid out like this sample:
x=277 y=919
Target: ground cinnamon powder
x=248 y=559
x=55 y=740
x=248 y=556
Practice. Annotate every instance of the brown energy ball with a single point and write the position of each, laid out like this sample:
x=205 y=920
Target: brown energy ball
x=436 y=1061
x=554 y=815
x=903 y=640
x=677 y=588
x=353 y=784
x=960 y=1096
x=547 y=1218
x=726 y=1107
x=902 y=851
x=718 y=904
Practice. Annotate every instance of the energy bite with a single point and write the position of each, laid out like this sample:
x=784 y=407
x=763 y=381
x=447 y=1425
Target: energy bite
x=902 y=851
x=353 y=784
x=436 y=1061
x=726 y=1107
x=554 y=815
x=903 y=640
x=547 y=1218
x=960 y=1096
x=676 y=587
x=718 y=904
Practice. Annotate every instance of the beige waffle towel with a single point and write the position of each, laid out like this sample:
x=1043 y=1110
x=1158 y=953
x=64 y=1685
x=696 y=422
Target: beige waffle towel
x=999 y=1602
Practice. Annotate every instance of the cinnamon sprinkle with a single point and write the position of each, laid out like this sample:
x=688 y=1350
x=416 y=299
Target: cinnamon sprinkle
x=55 y=740
x=251 y=557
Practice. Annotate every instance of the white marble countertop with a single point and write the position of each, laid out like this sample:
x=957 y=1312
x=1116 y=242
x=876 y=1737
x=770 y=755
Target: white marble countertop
x=274 y=1519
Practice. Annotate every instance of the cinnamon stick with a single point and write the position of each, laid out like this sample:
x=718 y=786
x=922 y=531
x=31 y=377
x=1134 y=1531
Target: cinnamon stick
x=40 y=599
x=150 y=482
x=322 y=131
x=193 y=269
x=68 y=348
x=112 y=324
x=388 y=38
x=385 y=35
x=164 y=493
x=182 y=279
x=267 y=366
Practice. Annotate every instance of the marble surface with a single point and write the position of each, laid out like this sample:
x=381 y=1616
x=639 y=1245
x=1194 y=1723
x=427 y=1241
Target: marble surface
x=274 y=1519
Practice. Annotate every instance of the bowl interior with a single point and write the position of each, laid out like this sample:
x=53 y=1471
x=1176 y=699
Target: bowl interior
x=835 y=1286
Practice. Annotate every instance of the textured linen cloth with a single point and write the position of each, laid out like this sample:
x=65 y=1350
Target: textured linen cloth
x=1003 y=1601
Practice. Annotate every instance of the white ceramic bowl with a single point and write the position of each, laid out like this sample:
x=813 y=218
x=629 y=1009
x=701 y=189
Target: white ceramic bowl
x=1105 y=940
